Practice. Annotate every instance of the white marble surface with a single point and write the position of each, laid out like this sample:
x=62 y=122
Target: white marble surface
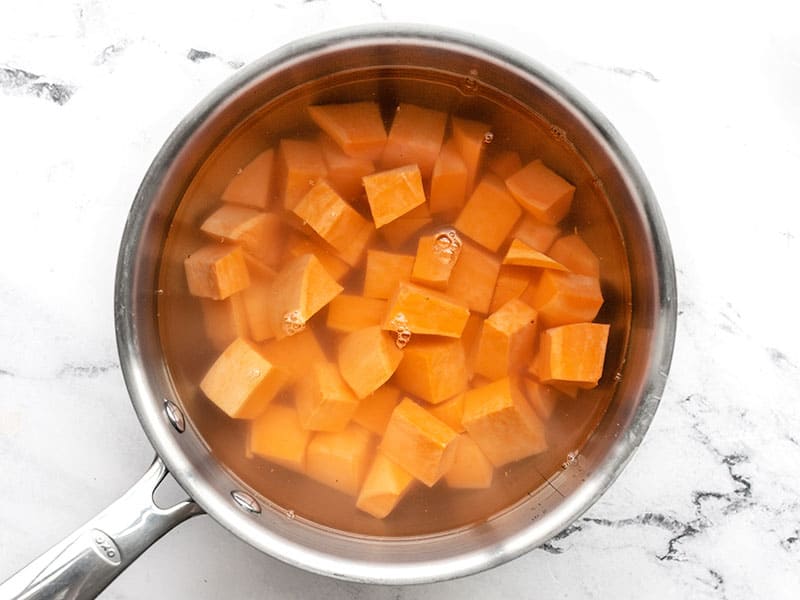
x=707 y=98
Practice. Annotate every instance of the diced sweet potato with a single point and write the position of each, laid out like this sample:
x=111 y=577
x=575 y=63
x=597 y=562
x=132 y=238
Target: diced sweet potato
x=293 y=354
x=367 y=359
x=335 y=221
x=344 y=172
x=298 y=245
x=340 y=459
x=374 y=411
x=539 y=236
x=277 y=436
x=348 y=313
x=543 y=398
x=505 y=164
x=401 y=230
x=385 y=485
x=474 y=277
x=384 y=272
x=490 y=213
x=436 y=256
x=300 y=166
x=470 y=469
x=572 y=353
x=520 y=254
x=572 y=252
x=419 y=442
x=506 y=341
x=448 y=181
x=422 y=310
x=224 y=320
x=472 y=330
x=241 y=382
x=542 y=192
x=450 y=412
x=259 y=234
x=393 y=193
x=563 y=298
x=255 y=299
x=499 y=419
x=357 y=127
x=324 y=401
x=299 y=290
x=511 y=283
x=415 y=138
x=216 y=271
x=566 y=388
x=468 y=137
x=433 y=369
x=252 y=186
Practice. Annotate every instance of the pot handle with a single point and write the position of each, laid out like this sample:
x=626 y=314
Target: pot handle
x=84 y=563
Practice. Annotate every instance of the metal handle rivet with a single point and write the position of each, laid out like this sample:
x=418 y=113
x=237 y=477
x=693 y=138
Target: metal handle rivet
x=245 y=501
x=175 y=416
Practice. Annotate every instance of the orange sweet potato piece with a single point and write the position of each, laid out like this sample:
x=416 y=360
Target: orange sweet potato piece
x=505 y=164
x=422 y=310
x=470 y=469
x=520 y=254
x=393 y=193
x=384 y=272
x=572 y=252
x=415 y=138
x=298 y=245
x=216 y=271
x=348 y=313
x=293 y=354
x=506 y=340
x=572 y=353
x=224 y=320
x=563 y=298
x=344 y=172
x=448 y=181
x=241 y=382
x=436 y=256
x=324 y=401
x=384 y=487
x=401 y=230
x=433 y=369
x=542 y=192
x=367 y=359
x=543 y=398
x=468 y=137
x=374 y=411
x=298 y=292
x=260 y=234
x=340 y=459
x=419 y=442
x=450 y=412
x=300 y=165
x=357 y=127
x=500 y=420
x=539 y=236
x=474 y=277
x=490 y=213
x=277 y=436
x=255 y=299
x=252 y=185
x=511 y=283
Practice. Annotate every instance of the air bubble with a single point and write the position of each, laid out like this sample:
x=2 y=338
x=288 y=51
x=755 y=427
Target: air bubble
x=254 y=373
x=572 y=458
x=447 y=246
x=159 y=292
x=239 y=171
x=470 y=83
x=293 y=323
x=400 y=325
x=290 y=514
x=488 y=137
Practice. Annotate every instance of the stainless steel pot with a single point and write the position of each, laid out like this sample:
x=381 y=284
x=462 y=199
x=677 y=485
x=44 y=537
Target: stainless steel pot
x=83 y=564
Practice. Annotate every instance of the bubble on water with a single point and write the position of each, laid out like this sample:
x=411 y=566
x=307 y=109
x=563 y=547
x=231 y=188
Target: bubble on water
x=400 y=326
x=254 y=373
x=617 y=376
x=447 y=246
x=572 y=458
x=290 y=514
x=159 y=292
x=293 y=322
x=470 y=83
x=239 y=171
x=488 y=137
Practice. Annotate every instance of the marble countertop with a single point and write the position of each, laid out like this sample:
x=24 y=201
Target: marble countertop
x=707 y=98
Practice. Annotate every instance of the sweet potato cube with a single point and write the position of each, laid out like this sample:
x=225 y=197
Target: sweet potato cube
x=511 y=283
x=520 y=254
x=539 y=236
x=384 y=272
x=340 y=459
x=415 y=138
x=436 y=256
x=573 y=353
x=419 y=442
x=422 y=310
x=357 y=127
x=241 y=382
x=252 y=185
x=367 y=359
x=474 y=277
x=567 y=388
x=448 y=181
x=256 y=298
x=277 y=436
x=299 y=290
x=393 y=193
x=469 y=340
x=300 y=165
x=374 y=411
x=433 y=369
x=469 y=138
x=293 y=354
x=450 y=412
x=224 y=320
x=572 y=252
x=216 y=271
x=506 y=340
x=298 y=245
x=335 y=221
x=505 y=164
x=324 y=401
x=563 y=298
x=543 y=398
x=348 y=313
x=490 y=213
x=401 y=230
x=542 y=192
x=499 y=419
x=385 y=485
x=470 y=469
x=259 y=234
x=344 y=172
